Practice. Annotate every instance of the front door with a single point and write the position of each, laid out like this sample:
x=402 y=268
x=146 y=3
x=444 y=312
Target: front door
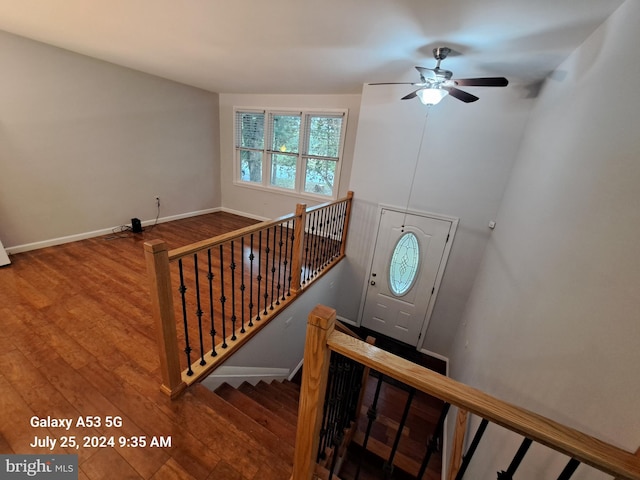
x=408 y=255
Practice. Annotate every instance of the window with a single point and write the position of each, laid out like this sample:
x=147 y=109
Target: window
x=290 y=151
x=403 y=268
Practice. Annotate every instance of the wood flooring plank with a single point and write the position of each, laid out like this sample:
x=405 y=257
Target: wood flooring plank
x=171 y=470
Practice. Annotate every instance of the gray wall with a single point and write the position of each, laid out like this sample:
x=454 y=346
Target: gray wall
x=552 y=321
x=86 y=145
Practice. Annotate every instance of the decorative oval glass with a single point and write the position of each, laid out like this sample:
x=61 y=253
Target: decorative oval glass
x=403 y=268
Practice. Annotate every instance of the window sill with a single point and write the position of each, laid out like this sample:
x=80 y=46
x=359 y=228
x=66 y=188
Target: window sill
x=282 y=191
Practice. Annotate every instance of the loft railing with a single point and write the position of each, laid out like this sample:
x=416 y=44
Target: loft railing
x=322 y=340
x=211 y=297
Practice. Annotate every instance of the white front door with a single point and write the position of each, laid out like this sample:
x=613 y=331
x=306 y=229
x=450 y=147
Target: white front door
x=408 y=255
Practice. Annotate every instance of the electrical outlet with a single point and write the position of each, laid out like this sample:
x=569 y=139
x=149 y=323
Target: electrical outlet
x=157 y=200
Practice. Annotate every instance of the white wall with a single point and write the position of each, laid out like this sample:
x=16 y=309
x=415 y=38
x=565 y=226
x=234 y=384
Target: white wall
x=86 y=145
x=466 y=156
x=552 y=322
x=263 y=203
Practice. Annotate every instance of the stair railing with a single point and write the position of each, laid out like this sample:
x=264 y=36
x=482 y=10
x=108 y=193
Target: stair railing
x=210 y=297
x=322 y=339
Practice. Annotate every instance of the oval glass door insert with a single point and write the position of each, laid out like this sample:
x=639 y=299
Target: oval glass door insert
x=403 y=268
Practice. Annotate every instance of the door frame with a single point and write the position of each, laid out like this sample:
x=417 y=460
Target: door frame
x=439 y=275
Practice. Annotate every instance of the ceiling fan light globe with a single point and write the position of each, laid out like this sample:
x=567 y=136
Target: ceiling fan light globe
x=431 y=96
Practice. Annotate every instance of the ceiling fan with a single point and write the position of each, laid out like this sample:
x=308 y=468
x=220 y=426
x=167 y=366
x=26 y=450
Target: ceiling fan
x=436 y=83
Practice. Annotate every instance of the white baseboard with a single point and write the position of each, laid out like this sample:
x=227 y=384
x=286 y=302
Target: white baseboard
x=236 y=376
x=4 y=258
x=244 y=214
x=295 y=370
x=98 y=233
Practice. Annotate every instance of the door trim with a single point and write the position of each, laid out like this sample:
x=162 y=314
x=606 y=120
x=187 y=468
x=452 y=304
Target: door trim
x=439 y=275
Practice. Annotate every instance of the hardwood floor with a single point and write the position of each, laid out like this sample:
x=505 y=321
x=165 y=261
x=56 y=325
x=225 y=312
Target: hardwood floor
x=77 y=339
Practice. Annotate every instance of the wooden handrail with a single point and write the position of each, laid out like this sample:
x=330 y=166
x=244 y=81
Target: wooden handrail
x=585 y=448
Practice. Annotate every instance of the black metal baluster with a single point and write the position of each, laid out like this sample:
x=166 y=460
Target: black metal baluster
x=292 y=237
x=314 y=270
x=337 y=233
x=223 y=300
x=259 y=277
x=183 y=289
x=211 y=315
x=432 y=445
x=199 y=311
x=388 y=465
x=372 y=414
x=266 y=275
x=280 y=243
x=286 y=276
x=251 y=257
x=343 y=216
x=466 y=458
x=517 y=459
x=326 y=236
x=307 y=226
x=332 y=233
x=273 y=263
x=569 y=469
x=242 y=330
x=232 y=267
x=329 y=400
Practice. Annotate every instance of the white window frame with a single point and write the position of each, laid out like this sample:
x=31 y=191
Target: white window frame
x=301 y=162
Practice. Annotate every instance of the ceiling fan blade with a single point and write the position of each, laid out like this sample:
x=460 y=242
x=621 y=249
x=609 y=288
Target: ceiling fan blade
x=394 y=83
x=411 y=95
x=482 y=82
x=460 y=95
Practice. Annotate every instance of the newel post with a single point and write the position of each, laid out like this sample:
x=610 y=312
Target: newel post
x=320 y=325
x=347 y=219
x=157 y=260
x=298 y=248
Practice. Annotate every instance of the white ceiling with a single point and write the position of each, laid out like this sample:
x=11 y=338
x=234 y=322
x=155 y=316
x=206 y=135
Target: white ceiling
x=311 y=46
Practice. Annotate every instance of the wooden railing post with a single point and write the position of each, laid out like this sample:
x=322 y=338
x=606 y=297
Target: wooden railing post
x=298 y=248
x=347 y=218
x=320 y=325
x=157 y=260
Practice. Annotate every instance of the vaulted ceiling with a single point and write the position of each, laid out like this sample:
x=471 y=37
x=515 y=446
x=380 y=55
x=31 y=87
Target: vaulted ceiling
x=311 y=46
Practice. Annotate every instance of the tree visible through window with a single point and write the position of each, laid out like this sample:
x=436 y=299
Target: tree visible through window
x=298 y=151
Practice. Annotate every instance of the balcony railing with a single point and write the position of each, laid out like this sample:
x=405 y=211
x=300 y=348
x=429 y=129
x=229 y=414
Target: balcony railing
x=211 y=297
x=322 y=341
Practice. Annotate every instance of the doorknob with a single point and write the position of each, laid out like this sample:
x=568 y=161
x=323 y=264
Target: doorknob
x=372 y=282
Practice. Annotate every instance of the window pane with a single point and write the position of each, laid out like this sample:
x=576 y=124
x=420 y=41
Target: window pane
x=403 y=268
x=250 y=130
x=320 y=176
x=324 y=135
x=251 y=166
x=286 y=133
x=283 y=171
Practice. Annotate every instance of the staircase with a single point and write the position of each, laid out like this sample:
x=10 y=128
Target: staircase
x=265 y=416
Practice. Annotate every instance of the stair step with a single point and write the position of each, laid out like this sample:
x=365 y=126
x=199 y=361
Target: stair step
x=276 y=407
x=383 y=451
x=244 y=444
x=237 y=417
x=292 y=388
x=260 y=414
x=275 y=392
